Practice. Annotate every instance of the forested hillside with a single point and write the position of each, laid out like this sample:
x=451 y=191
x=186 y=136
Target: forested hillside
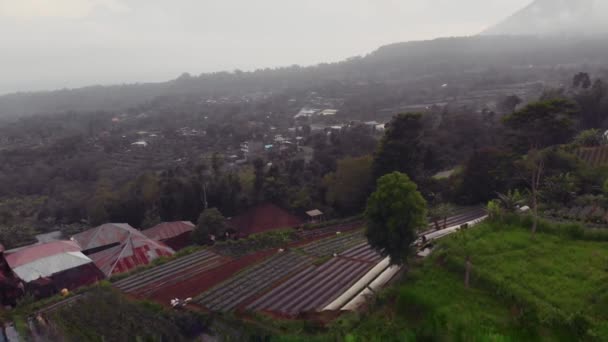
x=409 y=66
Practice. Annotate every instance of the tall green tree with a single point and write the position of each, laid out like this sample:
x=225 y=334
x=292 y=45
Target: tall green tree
x=211 y=222
x=395 y=212
x=351 y=184
x=542 y=124
x=401 y=147
x=487 y=171
x=533 y=129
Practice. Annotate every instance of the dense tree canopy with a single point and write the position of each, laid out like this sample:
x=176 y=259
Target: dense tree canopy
x=349 y=187
x=211 y=222
x=542 y=124
x=487 y=172
x=395 y=212
x=401 y=147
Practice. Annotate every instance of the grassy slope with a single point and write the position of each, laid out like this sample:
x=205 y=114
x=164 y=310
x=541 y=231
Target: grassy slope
x=563 y=274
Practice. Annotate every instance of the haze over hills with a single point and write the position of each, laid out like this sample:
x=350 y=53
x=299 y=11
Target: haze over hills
x=444 y=59
x=551 y=17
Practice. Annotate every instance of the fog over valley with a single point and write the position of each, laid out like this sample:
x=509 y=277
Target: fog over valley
x=70 y=43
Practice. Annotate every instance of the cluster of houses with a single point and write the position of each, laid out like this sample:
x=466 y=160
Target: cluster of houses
x=43 y=269
x=46 y=268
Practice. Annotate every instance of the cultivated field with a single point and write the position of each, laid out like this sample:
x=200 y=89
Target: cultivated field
x=300 y=279
x=315 y=287
x=461 y=216
x=230 y=294
x=146 y=283
x=336 y=244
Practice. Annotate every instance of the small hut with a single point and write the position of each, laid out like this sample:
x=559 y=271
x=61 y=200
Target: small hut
x=315 y=216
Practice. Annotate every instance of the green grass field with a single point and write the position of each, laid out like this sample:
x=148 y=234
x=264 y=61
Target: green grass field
x=558 y=273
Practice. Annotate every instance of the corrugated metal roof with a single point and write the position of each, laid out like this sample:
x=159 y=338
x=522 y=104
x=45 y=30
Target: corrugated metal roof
x=47 y=266
x=314 y=213
x=168 y=230
x=32 y=253
x=104 y=235
x=136 y=250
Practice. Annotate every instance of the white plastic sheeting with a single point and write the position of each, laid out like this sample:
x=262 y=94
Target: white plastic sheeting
x=376 y=285
x=46 y=267
x=358 y=286
x=451 y=230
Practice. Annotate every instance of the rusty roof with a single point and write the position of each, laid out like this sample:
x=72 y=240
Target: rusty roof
x=168 y=230
x=136 y=250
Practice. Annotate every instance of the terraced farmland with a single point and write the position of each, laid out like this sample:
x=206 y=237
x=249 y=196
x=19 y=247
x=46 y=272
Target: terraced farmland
x=335 y=245
x=363 y=252
x=315 y=287
x=238 y=289
x=148 y=282
x=461 y=216
x=343 y=227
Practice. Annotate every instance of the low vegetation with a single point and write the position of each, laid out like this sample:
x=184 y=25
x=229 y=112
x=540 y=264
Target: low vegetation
x=105 y=315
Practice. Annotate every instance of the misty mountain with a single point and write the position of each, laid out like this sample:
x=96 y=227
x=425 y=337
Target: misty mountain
x=437 y=60
x=556 y=17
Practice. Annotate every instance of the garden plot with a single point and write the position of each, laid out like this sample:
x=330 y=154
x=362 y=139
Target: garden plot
x=238 y=289
x=363 y=252
x=150 y=281
x=343 y=227
x=334 y=245
x=462 y=216
x=312 y=288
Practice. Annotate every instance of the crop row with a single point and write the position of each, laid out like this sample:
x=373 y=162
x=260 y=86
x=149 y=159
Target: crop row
x=313 y=288
x=343 y=227
x=238 y=289
x=461 y=217
x=363 y=252
x=149 y=281
x=334 y=245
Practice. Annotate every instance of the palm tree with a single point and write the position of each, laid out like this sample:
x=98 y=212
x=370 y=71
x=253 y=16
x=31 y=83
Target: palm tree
x=510 y=201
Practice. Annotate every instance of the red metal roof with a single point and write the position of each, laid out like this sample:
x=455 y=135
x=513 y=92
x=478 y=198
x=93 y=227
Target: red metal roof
x=168 y=230
x=136 y=250
x=263 y=218
x=32 y=253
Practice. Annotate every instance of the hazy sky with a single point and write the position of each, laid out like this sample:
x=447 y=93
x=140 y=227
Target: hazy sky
x=47 y=44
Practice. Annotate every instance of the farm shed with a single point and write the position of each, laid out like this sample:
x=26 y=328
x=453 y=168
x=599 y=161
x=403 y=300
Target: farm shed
x=50 y=267
x=117 y=247
x=315 y=216
x=264 y=218
x=176 y=235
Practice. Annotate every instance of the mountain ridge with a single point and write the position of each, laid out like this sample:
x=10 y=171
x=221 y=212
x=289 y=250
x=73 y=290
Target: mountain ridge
x=555 y=17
